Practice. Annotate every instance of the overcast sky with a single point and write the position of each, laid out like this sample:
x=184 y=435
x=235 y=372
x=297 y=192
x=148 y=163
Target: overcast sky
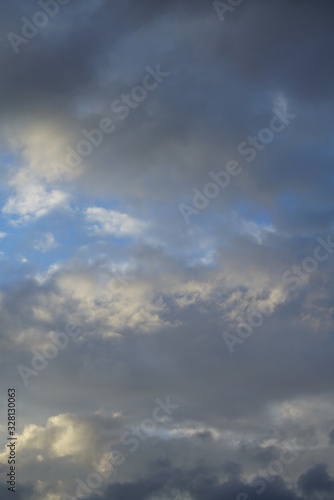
x=167 y=249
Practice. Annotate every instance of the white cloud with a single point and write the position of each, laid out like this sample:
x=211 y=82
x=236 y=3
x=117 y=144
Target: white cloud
x=104 y=222
x=255 y=230
x=42 y=278
x=33 y=201
x=45 y=243
x=63 y=435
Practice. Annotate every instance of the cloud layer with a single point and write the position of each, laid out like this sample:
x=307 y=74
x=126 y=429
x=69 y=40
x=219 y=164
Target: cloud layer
x=167 y=234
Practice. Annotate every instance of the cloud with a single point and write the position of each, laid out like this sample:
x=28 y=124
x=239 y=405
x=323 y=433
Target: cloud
x=31 y=201
x=110 y=222
x=106 y=249
x=45 y=242
x=316 y=479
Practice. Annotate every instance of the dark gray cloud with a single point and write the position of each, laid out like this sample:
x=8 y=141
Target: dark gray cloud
x=331 y=436
x=316 y=479
x=199 y=483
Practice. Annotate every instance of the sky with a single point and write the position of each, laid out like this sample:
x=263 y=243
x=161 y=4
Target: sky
x=167 y=250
